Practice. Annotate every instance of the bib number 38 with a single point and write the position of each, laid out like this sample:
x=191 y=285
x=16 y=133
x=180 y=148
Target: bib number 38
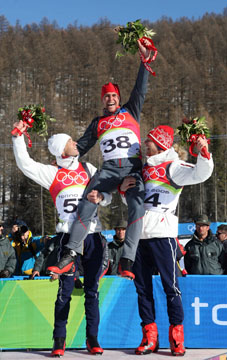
x=121 y=142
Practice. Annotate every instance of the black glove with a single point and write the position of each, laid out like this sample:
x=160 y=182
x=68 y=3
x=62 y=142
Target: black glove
x=78 y=284
x=4 y=274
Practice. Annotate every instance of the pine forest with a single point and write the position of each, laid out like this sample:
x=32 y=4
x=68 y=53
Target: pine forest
x=64 y=69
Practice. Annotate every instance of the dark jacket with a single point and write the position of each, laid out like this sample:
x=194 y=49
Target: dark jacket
x=115 y=248
x=133 y=106
x=8 y=258
x=204 y=257
x=48 y=256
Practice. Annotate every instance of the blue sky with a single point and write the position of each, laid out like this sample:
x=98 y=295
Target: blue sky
x=119 y=12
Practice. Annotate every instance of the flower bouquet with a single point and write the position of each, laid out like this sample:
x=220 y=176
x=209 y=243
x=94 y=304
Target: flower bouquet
x=35 y=119
x=128 y=36
x=189 y=132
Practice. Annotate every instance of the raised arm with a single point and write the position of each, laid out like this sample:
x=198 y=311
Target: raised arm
x=137 y=97
x=188 y=174
x=40 y=173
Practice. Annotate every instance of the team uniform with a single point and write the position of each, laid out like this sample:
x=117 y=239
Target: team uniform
x=66 y=183
x=118 y=135
x=164 y=176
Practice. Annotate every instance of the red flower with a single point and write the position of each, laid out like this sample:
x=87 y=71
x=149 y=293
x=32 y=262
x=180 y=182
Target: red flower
x=43 y=109
x=185 y=120
x=30 y=121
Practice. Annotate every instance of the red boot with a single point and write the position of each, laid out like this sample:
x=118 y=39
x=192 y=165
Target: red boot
x=149 y=343
x=125 y=269
x=59 y=347
x=176 y=339
x=93 y=346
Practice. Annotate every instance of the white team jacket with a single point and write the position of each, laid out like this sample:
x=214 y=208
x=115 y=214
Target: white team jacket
x=44 y=175
x=165 y=224
x=156 y=224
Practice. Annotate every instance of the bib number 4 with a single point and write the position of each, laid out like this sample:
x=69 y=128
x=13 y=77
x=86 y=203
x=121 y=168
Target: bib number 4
x=153 y=199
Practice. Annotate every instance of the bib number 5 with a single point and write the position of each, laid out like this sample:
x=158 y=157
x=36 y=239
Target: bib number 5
x=70 y=206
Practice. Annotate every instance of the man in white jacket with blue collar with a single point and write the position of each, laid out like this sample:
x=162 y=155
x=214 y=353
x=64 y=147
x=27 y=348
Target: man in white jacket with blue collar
x=164 y=176
x=67 y=183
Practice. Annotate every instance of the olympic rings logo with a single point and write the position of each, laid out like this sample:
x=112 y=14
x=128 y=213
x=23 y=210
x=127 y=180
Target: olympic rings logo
x=72 y=177
x=153 y=173
x=114 y=121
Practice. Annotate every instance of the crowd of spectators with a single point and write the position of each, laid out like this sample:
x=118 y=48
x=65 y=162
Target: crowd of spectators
x=20 y=255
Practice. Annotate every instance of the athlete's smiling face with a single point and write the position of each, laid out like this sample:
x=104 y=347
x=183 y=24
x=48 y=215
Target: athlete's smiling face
x=111 y=101
x=150 y=147
x=70 y=148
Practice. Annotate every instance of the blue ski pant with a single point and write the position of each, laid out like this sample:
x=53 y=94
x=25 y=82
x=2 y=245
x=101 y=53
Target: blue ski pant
x=92 y=265
x=157 y=254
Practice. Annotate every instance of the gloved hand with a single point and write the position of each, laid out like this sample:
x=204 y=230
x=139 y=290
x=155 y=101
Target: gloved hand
x=4 y=274
x=78 y=284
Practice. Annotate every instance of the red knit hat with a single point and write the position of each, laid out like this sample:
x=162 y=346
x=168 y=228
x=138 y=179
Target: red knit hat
x=110 y=87
x=162 y=136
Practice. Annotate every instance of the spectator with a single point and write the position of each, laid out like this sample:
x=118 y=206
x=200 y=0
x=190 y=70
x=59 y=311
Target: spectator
x=222 y=236
x=8 y=259
x=115 y=247
x=47 y=256
x=26 y=250
x=204 y=253
x=15 y=225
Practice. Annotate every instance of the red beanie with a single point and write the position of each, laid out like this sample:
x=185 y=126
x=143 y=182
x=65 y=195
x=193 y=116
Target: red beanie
x=110 y=88
x=162 y=136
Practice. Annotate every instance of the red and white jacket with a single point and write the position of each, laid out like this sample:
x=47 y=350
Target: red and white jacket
x=66 y=183
x=165 y=175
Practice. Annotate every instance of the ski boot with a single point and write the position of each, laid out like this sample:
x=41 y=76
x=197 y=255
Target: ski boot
x=125 y=269
x=149 y=343
x=176 y=340
x=64 y=264
x=93 y=346
x=59 y=347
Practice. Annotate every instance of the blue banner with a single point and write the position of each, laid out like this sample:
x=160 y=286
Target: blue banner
x=189 y=228
x=205 y=309
x=29 y=305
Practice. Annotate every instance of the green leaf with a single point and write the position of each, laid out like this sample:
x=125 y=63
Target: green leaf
x=39 y=126
x=128 y=36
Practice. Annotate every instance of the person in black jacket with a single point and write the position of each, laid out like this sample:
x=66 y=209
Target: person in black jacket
x=222 y=237
x=204 y=252
x=115 y=247
x=8 y=258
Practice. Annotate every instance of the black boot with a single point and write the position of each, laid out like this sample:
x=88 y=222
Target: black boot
x=59 y=347
x=64 y=265
x=125 y=268
x=93 y=345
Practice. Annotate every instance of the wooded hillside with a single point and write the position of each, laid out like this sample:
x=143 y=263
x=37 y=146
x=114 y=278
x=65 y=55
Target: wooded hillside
x=64 y=70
